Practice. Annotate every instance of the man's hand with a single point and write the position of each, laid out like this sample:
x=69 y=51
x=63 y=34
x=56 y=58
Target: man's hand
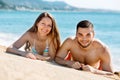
x=88 y=68
x=96 y=71
x=75 y=65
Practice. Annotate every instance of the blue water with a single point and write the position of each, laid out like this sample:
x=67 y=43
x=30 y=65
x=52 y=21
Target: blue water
x=106 y=24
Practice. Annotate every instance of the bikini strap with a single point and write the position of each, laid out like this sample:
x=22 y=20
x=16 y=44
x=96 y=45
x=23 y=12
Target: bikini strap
x=33 y=48
x=34 y=43
x=46 y=50
x=47 y=47
x=47 y=44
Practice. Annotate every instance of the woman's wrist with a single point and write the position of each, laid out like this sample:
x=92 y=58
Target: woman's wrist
x=23 y=54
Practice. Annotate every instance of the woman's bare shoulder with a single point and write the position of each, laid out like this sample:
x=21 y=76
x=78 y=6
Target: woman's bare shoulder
x=29 y=35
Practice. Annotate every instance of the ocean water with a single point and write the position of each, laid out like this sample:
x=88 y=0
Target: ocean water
x=106 y=24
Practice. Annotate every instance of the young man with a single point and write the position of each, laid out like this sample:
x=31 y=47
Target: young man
x=88 y=54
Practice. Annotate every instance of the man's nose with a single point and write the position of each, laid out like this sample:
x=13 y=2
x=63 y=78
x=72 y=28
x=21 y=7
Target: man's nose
x=84 y=38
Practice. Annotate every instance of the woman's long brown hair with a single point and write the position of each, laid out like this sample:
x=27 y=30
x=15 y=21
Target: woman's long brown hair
x=54 y=33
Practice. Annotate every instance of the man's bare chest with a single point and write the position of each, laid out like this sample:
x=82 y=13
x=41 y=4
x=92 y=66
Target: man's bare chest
x=86 y=57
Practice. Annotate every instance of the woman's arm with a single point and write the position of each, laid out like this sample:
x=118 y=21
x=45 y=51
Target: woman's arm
x=14 y=48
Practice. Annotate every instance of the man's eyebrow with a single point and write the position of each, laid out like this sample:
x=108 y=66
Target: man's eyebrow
x=79 y=33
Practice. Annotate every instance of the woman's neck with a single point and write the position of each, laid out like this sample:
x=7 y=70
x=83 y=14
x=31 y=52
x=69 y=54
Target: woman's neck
x=41 y=38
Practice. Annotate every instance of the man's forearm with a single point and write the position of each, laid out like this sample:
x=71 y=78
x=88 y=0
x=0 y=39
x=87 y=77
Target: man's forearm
x=95 y=71
x=61 y=61
x=102 y=72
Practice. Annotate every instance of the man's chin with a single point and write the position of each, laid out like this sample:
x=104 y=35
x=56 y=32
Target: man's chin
x=85 y=46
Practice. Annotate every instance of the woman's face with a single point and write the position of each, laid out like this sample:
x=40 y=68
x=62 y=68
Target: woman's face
x=44 y=26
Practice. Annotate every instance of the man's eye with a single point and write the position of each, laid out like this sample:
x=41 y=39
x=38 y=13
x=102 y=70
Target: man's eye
x=88 y=35
x=80 y=34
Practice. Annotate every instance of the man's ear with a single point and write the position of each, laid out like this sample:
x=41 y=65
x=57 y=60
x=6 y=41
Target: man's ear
x=93 y=33
x=76 y=33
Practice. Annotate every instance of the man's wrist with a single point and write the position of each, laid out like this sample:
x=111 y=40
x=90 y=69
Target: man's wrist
x=67 y=63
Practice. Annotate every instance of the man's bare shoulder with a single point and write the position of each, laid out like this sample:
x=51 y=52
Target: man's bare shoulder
x=100 y=46
x=98 y=43
x=70 y=40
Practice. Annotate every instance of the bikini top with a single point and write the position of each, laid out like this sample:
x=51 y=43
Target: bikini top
x=45 y=52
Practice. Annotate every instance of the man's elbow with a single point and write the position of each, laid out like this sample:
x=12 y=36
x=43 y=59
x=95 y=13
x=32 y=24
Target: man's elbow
x=56 y=59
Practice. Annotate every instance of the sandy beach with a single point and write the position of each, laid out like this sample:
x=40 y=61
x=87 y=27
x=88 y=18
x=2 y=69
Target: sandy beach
x=14 y=67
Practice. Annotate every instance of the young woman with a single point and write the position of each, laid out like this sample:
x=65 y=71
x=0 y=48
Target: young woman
x=42 y=39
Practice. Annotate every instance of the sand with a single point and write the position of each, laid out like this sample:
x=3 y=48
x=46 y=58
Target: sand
x=14 y=67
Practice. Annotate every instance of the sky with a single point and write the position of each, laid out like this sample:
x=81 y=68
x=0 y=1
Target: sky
x=94 y=4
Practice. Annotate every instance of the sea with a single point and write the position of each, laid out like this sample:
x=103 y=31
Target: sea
x=106 y=25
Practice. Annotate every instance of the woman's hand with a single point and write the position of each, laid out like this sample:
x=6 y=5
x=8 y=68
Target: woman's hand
x=43 y=58
x=37 y=57
x=31 y=56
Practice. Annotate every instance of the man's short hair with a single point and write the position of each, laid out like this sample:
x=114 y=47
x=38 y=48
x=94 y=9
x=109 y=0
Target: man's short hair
x=84 y=24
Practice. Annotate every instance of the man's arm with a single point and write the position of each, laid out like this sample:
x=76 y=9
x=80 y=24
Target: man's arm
x=105 y=63
x=62 y=53
x=95 y=71
x=106 y=60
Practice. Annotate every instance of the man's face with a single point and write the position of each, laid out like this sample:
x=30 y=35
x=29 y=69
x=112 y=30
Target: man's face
x=85 y=36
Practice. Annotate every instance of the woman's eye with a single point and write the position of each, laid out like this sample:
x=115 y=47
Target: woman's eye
x=43 y=23
x=49 y=26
